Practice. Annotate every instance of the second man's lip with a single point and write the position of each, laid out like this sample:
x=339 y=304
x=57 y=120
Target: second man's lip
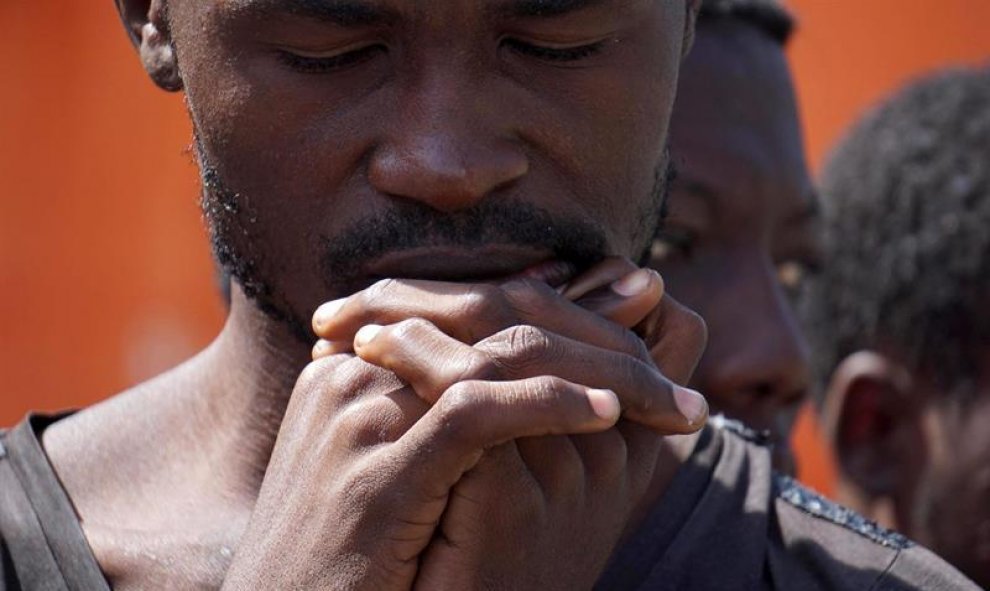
x=459 y=264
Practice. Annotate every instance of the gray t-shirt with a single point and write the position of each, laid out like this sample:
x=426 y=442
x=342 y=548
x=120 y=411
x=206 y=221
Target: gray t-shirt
x=726 y=522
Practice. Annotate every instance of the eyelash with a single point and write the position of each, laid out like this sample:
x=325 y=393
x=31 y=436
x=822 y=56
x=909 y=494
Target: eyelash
x=320 y=65
x=554 y=54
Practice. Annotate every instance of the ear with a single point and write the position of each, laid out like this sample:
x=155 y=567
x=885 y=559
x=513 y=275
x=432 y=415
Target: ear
x=147 y=24
x=872 y=416
x=690 y=23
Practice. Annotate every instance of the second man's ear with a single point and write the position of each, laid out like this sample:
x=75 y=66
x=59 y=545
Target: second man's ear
x=148 y=25
x=871 y=414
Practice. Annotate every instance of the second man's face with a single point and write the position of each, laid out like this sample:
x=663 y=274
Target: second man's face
x=742 y=225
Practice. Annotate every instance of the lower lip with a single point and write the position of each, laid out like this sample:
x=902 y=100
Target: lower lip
x=553 y=272
x=488 y=263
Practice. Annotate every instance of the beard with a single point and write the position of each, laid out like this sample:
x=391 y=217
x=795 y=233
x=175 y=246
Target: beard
x=407 y=224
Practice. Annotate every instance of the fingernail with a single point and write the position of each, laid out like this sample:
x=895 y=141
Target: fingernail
x=605 y=404
x=691 y=404
x=634 y=283
x=326 y=312
x=320 y=348
x=366 y=334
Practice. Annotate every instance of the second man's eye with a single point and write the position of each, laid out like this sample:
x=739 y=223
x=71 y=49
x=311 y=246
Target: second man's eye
x=793 y=276
x=551 y=53
x=671 y=242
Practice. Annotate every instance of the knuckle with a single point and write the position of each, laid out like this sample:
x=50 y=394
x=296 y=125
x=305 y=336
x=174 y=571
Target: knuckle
x=528 y=343
x=485 y=306
x=312 y=374
x=527 y=297
x=475 y=302
x=458 y=400
x=321 y=373
x=366 y=423
x=378 y=291
x=411 y=329
x=457 y=408
x=549 y=388
x=479 y=366
x=520 y=348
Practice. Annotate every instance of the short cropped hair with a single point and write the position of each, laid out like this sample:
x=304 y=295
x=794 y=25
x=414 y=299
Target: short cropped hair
x=770 y=17
x=906 y=205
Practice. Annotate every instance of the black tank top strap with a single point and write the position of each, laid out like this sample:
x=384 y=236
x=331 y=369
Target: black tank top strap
x=38 y=524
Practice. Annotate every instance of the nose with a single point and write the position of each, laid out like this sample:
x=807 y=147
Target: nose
x=756 y=368
x=448 y=145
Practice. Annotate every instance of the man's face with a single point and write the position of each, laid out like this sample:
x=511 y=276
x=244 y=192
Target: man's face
x=741 y=228
x=344 y=142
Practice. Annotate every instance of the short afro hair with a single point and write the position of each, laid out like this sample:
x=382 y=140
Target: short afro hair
x=906 y=204
x=768 y=16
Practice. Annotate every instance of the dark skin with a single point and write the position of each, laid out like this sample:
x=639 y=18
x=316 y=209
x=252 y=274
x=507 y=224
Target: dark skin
x=468 y=405
x=742 y=227
x=912 y=457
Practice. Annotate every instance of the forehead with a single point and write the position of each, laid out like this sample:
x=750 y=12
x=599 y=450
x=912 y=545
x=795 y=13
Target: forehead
x=362 y=12
x=736 y=105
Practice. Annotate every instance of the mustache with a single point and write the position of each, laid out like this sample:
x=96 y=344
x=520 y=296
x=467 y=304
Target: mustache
x=507 y=221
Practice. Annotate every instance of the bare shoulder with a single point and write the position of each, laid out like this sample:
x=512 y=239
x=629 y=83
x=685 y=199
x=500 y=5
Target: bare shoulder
x=142 y=475
x=112 y=448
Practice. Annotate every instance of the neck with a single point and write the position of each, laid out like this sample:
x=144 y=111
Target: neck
x=251 y=370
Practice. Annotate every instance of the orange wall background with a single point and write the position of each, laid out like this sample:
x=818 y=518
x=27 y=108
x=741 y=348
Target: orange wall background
x=105 y=275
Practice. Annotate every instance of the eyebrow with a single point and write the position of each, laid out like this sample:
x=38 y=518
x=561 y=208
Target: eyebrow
x=544 y=8
x=343 y=13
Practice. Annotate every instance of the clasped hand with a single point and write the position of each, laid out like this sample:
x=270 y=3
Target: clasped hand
x=473 y=436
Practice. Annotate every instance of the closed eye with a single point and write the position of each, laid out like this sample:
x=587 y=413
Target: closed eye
x=314 y=63
x=551 y=53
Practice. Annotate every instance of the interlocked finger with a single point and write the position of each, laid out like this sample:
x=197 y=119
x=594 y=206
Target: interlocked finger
x=470 y=313
x=432 y=363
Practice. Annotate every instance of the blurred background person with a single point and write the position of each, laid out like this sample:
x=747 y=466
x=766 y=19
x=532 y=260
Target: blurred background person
x=741 y=232
x=900 y=314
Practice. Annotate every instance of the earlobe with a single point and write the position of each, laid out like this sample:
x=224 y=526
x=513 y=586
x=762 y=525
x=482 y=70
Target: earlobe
x=158 y=57
x=148 y=26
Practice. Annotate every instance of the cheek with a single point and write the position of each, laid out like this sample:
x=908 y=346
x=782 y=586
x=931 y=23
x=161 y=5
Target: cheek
x=605 y=135
x=267 y=128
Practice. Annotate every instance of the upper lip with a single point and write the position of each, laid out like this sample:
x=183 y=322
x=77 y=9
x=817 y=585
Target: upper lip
x=449 y=263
